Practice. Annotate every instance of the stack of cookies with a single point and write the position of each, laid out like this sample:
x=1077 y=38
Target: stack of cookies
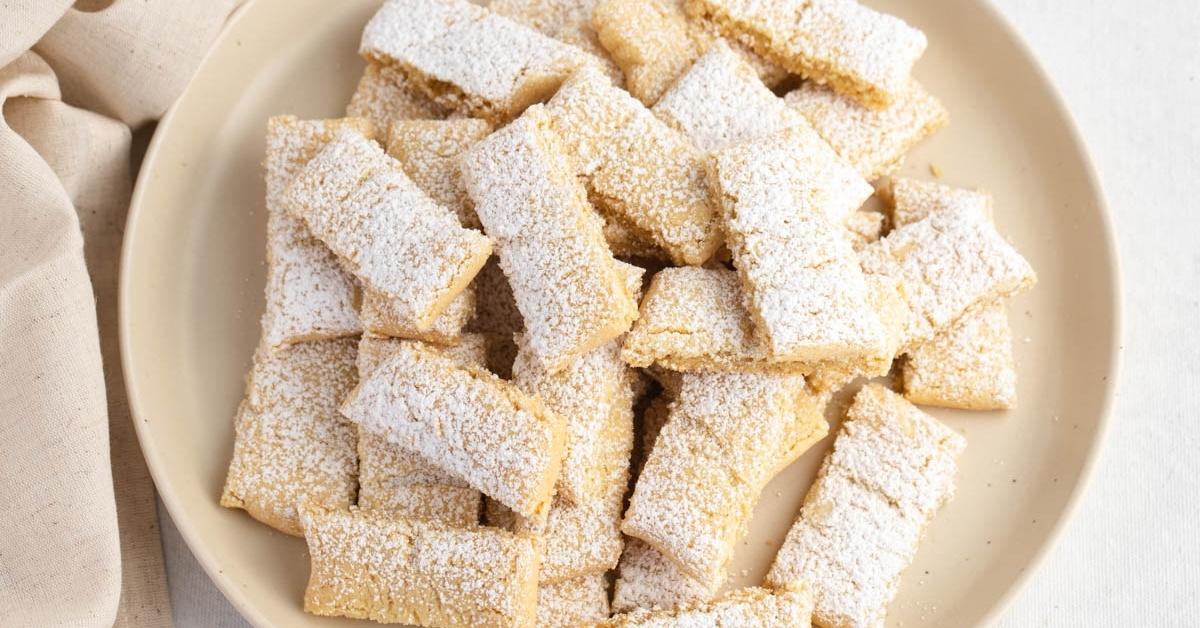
x=573 y=280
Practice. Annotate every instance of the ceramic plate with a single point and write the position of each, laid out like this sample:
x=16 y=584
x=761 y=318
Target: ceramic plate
x=193 y=275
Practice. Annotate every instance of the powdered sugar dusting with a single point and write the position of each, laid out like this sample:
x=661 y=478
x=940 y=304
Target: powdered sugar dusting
x=467 y=422
x=308 y=294
x=291 y=445
x=720 y=101
x=892 y=467
x=725 y=437
x=779 y=198
x=564 y=279
x=385 y=229
x=568 y=22
x=572 y=603
x=647 y=579
x=407 y=571
x=383 y=315
x=428 y=150
x=385 y=95
x=914 y=200
x=874 y=141
x=468 y=58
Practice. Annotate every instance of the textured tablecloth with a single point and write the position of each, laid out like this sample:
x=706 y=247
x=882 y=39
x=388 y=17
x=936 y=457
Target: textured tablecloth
x=1130 y=72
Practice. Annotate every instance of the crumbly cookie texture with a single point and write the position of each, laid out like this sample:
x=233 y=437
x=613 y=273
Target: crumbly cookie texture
x=291 y=446
x=385 y=316
x=572 y=603
x=913 y=200
x=467 y=422
x=753 y=607
x=399 y=482
x=892 y=467
x=308 y=295
x=779 y=199
x=874 y=141
x=647 y=579
x=969 y=364
x=385 y=95
x=864 y=227
x=428 y=151
x=720 y=101
x=384 y=229
x=947 y=264
x=859 y=52
x=467 y=58
x=565 y=281
x=368 y=565
x=654 y=42
x=576 y=539
x=637 y=168
x=594 y=396
x=568 y=21
x=727 y=435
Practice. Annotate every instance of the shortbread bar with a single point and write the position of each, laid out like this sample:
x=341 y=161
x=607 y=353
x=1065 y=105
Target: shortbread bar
x=291 y=445
x=467 y=58
x=638 y=169
x=947 y=264
x=566 y=284
x=720 y=101
x=874 y=141
x=577 y=539
x=647 y=579
x=467 y=422
x=578 y=602
x=567 y=21
x=428 y=150
x=308 y=296
x=725 y=438
x=804 y=288
x=385 y=316
x=385 y=95
x=969 y=364
x=752 y=607
x=892 y=467
x=384 y=229
x=859 y=52
x=407 y=571
x=593 y=394
x=398 y=481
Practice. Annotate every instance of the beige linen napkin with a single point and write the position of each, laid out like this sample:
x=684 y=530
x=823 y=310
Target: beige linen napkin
x=79 y=541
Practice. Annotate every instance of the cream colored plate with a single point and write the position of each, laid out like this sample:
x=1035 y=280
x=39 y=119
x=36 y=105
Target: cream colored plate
x=193 y=275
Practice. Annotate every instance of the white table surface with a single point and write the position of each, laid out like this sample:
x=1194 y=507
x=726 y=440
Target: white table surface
x=1130 y=72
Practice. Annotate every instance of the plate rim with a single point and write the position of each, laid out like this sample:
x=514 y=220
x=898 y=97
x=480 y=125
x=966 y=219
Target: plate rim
x=251 y=613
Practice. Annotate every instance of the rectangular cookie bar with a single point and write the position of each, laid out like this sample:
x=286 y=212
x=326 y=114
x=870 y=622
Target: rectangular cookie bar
x=647 y=579
x=467 y=422
x=637 y=168
x=566 y=284
x=720 y=101
x=384 y=95
x=857 y=51
x=874 y=141
x=594 y=396
x=386 y=316
x=399 y=482
x=892 y=467
x=947 y=264
x=308 y=295
x=726 y=436
x=969 y=364
x=780 y=197
x=291 y=446
x=752 y=607
x=384 y=229
x=467 y=58
x=568 y=21
x=428 y=151
x=571 y=603
x=407 y=571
